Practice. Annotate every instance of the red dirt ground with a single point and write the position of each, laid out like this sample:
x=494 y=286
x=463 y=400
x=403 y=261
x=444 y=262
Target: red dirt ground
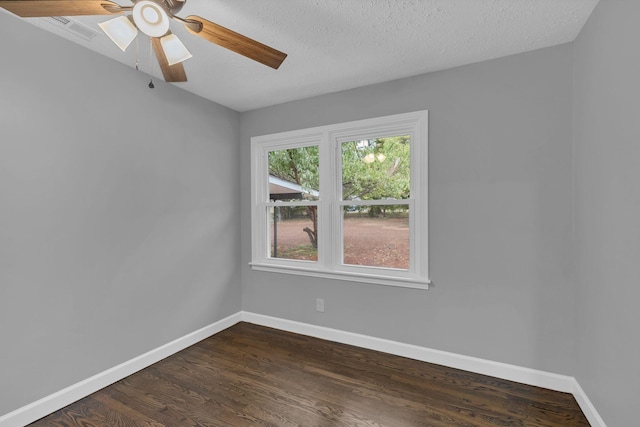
x=380 y=242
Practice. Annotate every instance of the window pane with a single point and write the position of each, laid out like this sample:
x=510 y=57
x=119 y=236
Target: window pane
x=376 y=236
x=294 y=174
x=293 y=232
x=376 y=169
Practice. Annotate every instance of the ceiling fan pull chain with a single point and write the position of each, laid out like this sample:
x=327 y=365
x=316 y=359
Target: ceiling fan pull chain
x=151 y=86
x=137 y=54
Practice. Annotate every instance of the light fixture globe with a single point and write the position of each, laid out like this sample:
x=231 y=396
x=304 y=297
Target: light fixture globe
x=174 y=50
x=150 y=18
x=121 y=30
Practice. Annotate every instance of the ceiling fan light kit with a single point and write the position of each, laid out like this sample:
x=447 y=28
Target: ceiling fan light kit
x=174 y=49
x=152 y=17
x=120 y=30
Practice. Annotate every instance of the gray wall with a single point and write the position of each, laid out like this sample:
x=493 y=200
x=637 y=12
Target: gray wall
x=118 y=213
x=118 y=235
x=607 y=209
x=500 y=214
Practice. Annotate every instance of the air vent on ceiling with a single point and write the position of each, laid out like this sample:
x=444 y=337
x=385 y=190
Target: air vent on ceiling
x=73 y=27
x=60 y=19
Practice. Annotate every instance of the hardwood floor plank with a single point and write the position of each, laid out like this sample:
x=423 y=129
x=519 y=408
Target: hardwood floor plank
x=146 y=402
x=140 y=419
x=250 y=375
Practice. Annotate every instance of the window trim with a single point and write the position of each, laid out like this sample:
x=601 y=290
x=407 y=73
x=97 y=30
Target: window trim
x=329 y=140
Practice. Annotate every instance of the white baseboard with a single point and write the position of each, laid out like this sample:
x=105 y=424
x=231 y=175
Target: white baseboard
x=62 y=398
x=548 y=380
x=562 y=383
x=587 y=407
x=43 y=407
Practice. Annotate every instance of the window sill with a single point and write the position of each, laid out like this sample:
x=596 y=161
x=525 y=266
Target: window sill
x=343 y=275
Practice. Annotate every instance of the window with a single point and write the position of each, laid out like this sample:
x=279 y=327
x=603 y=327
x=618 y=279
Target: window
x=346 y=201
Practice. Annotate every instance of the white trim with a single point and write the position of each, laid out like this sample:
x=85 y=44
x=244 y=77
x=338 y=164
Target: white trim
x=534 y=377
x=64 y=397
x=329 y=138
x=467 y=363
x=45 y=406
x=587 y=407
x=376 y=279
x=284 y=203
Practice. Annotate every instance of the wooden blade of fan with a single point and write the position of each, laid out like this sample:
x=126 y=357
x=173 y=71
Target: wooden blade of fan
x=233 y=41
x=39 y=8
x=172 y=73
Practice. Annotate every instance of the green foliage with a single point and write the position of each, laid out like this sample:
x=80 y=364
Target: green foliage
x=371 y=169
x=376 y=169
x=298 y=165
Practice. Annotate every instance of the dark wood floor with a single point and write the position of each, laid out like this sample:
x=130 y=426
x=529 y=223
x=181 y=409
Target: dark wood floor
x=249 y=375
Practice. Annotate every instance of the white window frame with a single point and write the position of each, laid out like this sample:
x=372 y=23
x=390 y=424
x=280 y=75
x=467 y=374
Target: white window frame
x=329 y=140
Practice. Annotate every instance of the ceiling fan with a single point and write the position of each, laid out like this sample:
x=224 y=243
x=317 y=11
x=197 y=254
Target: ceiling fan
x=152 y=18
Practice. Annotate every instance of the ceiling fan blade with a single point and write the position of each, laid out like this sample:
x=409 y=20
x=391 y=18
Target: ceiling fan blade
x=235 y=42
x=172 y=73
x=38 y=8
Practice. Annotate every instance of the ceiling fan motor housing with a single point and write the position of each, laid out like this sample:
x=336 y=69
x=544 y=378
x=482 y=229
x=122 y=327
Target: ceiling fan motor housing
x=171 y=6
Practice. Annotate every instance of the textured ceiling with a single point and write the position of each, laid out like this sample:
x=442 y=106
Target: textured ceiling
x=335 y=45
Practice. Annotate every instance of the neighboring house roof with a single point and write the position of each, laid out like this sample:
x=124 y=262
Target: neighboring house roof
x=282 y=186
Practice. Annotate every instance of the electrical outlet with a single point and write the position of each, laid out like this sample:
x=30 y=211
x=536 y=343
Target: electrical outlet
x=320 y=305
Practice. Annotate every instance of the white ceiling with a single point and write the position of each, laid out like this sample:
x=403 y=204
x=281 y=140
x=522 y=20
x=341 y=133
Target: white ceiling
x=335 y=45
